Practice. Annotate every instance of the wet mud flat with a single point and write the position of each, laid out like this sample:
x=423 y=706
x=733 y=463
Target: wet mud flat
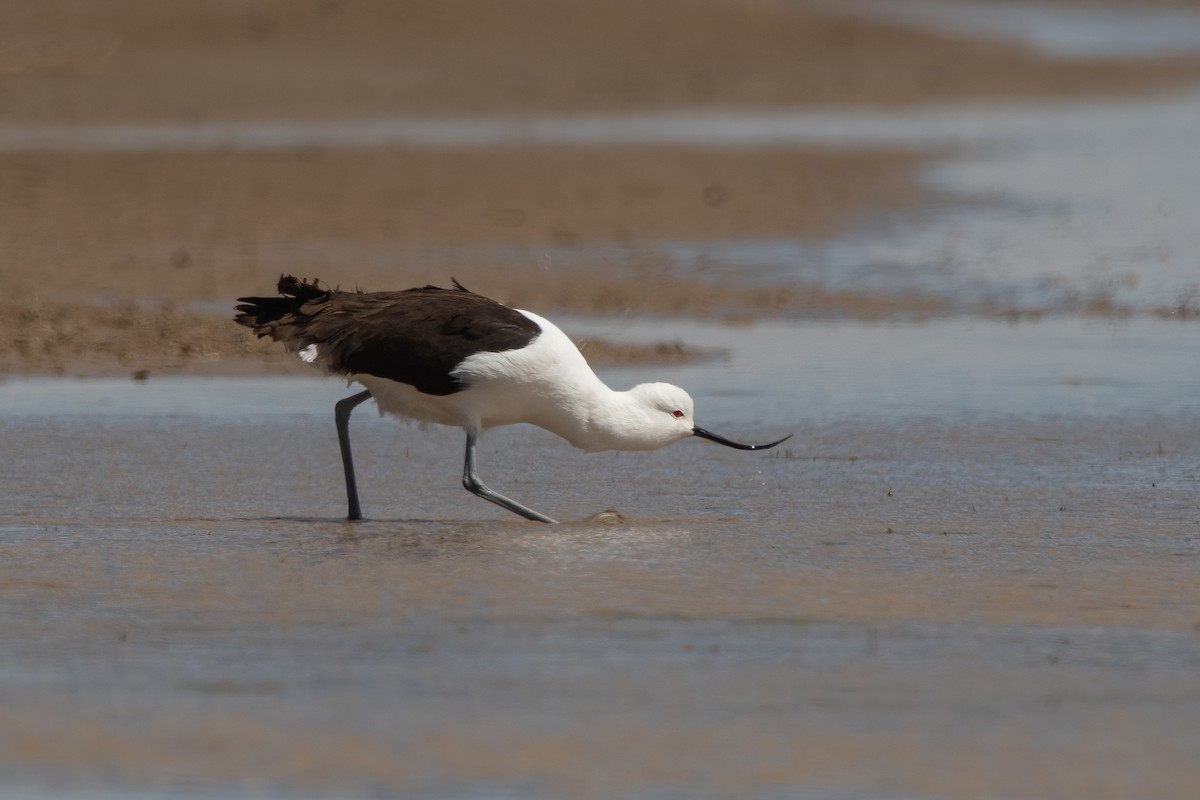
x=911 y=604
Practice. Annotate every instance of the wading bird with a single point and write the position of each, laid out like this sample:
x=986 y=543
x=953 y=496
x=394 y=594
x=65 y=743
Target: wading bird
x=453 y=357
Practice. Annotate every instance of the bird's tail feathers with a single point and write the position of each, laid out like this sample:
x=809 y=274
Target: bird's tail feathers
x=264 y=313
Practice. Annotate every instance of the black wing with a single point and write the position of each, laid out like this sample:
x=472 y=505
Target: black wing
x=417 y=336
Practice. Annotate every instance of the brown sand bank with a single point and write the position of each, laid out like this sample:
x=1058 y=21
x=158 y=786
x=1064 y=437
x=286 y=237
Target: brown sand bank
x=113 y=246
x=139 y=232
x=206 y=227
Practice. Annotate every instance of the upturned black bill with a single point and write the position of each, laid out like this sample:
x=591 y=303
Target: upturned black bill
x=703 y=434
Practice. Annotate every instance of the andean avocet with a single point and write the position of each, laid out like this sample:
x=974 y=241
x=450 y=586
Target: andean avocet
x=453 y=357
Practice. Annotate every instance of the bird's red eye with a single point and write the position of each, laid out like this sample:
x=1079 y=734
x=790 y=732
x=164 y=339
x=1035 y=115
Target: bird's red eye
x=677 y=414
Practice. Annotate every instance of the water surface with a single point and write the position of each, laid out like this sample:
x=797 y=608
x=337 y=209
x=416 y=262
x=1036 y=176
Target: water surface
x=929 y=592
x=1082 y=30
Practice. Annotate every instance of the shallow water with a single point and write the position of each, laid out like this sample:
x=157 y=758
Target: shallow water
x=1084 y=30
x=950 y=571
x=934 y=602
x=768 y=375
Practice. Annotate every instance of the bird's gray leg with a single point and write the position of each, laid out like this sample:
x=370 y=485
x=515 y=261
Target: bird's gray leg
x=475 y=486
x=341 y=415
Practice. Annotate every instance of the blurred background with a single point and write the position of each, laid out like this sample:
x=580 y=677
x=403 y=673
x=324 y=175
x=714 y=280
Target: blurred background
x=860 y=160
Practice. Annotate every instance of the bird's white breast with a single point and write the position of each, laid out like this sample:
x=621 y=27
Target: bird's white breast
x=547 y=383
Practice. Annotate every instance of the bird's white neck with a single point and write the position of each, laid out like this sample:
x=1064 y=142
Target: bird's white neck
x=562 y=394
x=606 y=419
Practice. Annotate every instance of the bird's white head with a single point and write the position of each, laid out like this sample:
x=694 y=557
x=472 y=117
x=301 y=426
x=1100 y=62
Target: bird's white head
x=647 y=417
x=664 y=414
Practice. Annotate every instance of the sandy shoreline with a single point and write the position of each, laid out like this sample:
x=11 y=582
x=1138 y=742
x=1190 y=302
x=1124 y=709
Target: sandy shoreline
x=103 y=248
x=206 y=227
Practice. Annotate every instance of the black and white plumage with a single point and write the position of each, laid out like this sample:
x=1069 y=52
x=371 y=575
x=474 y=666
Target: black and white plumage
x=453 y=357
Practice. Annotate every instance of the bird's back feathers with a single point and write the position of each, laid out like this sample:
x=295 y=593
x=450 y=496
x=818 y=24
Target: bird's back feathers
x=416 y=336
